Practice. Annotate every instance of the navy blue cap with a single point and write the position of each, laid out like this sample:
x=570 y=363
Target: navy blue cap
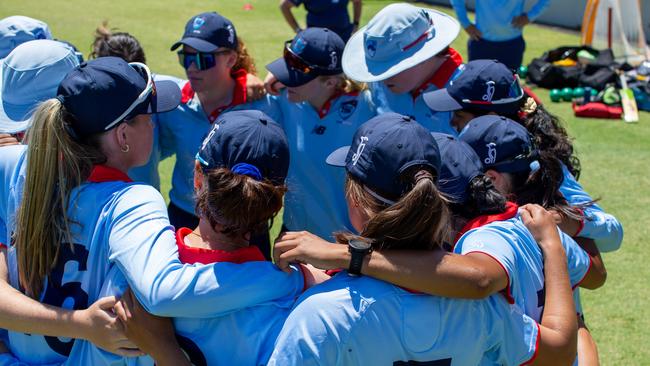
x=501 y=143
x=207 y=32
x=246 y=137
x=102 y=93
x=383 y=149
x=460 y=165
x=483 y=84
x=320 y=48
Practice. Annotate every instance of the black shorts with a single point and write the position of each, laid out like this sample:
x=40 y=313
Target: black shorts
x=510 y=53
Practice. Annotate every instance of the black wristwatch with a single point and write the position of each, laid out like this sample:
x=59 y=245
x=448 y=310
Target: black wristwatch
x=358 y=250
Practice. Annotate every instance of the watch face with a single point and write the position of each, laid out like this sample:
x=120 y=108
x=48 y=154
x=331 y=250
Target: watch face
x=359 y=244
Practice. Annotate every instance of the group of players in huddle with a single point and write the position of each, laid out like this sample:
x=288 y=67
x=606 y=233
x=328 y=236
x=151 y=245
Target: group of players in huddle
x=432 y=214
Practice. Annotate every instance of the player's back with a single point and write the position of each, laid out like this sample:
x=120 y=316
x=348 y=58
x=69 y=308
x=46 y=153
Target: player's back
x=363 y=321
x=76 y=280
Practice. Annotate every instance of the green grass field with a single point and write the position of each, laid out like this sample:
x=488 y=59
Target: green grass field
x=615 y=156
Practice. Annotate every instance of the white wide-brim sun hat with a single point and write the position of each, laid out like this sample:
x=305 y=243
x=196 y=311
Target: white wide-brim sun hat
x=399 y=37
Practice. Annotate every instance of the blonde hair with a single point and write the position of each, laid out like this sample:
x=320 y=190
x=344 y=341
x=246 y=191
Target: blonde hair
x=418 y=220
x=56 y=164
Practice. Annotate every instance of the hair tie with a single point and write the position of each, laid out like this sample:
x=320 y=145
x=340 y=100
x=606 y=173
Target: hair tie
x=247 y=169
x=60 y=98
x=423 y=174
x=534 y=166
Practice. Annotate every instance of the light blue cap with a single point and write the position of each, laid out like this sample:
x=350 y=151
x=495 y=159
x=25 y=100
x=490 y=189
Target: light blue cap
x=30 y=75
x=399 y=37
x=18 y=29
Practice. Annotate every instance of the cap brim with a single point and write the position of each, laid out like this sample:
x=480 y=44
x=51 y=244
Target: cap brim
x=441 y=101
x=167 y=97
x=357 y=67
x=288 y=76
x=196 y=43
x=338 y=157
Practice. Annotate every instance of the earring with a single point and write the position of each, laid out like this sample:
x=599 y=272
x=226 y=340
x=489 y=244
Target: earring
x=125 y=148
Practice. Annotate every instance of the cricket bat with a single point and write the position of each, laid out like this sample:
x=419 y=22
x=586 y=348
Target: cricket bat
x=630 y=110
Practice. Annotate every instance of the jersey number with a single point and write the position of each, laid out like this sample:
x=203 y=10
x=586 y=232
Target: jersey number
x=441 y=362
x=56 y=293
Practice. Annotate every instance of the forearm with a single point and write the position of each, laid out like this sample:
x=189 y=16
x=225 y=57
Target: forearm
x=597 y=274
x=356 y=11
x=461 y=12
x=285 y=8
x=538 y=9
x=559 y=326
x=433 y=272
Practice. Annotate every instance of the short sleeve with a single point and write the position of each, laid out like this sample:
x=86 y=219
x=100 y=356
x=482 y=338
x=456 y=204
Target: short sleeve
x=578 y=261
x=494 y=245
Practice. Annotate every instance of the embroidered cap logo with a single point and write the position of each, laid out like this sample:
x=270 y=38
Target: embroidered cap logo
x=371 y=47
x=489 y=91
x=492 y=153
x=198 y=23
x=360 y=148
x=333 y=60
x=209 y=137
x=231 y=34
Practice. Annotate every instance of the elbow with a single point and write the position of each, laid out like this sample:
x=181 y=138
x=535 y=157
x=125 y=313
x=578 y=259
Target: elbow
x=484 y=285
x=596 y=279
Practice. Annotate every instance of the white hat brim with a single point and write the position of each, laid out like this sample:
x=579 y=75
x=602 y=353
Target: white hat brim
x=357 y=67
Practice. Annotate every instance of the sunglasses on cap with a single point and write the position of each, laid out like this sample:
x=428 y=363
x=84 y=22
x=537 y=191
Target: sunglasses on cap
x=515 y=93
x=150 y=89
x=202 y=61
x=296 y=63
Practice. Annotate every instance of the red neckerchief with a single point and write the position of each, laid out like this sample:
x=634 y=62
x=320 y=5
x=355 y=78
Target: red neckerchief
x=193 y=255
x=443 y=74
x=103 y=173
x=238 y=95
x=510 y=212
x=328 y=104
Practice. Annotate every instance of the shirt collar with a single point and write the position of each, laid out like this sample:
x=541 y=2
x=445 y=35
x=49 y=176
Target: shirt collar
x=238 y=96
x=443 y=74
x=241 y=255
x=510 y=212
x=322 y=113
x=103 y=173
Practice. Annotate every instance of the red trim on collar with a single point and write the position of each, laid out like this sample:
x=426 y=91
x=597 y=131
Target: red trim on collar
x=103 y=173
x=510 y=212
x=328 y=104
x=3 y=245
x=443 y=74
x=238 y=96
x=193 y=255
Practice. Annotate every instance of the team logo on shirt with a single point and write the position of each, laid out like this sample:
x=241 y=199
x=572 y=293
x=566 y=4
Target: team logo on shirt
x=299 y=46
x=371 y=47
x=198 y=23
x=360 y=148
x=347 y=108
x=492 y=153
x=489 y=91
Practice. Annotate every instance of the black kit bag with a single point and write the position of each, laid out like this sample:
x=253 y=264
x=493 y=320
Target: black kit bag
x=542 y=72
